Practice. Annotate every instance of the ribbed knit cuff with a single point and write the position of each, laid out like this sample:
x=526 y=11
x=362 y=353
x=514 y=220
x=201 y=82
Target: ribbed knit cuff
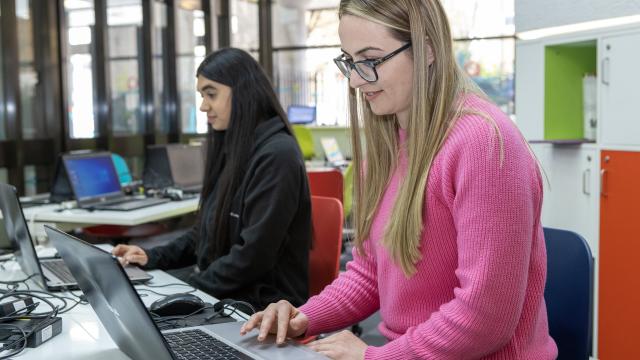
x=320 y=318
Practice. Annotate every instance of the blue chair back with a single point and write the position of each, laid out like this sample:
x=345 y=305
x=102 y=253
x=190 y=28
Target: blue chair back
x=569 y=293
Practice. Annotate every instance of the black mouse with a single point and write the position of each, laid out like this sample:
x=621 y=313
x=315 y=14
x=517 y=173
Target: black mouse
x=177 y=304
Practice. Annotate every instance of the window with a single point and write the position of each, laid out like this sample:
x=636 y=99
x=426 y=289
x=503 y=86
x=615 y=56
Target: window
x=244 y=25
x=80 y=18
x=190 y=51
x=484 y=34
x=3 y=135
x=27 y=74
x=124 y=22
x=305 y=43
x=160 y=76
x=490 y=64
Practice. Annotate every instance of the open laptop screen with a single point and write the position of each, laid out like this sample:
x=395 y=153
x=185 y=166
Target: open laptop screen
x=92 y=176
x=18 y=233
x=299 y=114
x=187 y=164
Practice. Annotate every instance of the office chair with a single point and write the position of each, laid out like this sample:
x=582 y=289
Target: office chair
x=324 y=257
x=305 y=141
x=328 y=183
x=569 y=293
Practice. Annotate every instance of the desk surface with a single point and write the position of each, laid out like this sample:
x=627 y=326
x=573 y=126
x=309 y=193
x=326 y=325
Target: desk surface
x=83 y=336
x=37 y=216
x=52 y=213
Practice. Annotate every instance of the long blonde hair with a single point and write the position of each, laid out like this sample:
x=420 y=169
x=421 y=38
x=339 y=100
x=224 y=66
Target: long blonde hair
x=437 y=86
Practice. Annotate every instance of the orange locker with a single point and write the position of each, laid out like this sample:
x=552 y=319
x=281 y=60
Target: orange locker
x=619 y=294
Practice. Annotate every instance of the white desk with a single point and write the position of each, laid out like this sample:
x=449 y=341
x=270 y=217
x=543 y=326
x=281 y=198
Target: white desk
x=37 y=216
x=83 y=336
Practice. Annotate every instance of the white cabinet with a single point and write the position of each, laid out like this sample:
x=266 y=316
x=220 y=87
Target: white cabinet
x=571 y=189
x=530 y=89
x=620 y=89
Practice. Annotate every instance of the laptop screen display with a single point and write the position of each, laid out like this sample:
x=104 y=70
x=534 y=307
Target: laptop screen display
x=187 y=164
x=92 y=176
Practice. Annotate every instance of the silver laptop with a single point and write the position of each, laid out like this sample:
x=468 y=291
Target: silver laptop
x=96 y=185
x=131 y=327
x=332 y=152
x=51 y=274
x=187 y=166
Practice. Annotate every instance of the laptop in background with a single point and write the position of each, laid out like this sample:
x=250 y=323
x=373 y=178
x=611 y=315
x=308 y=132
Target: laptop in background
x=96 y=185
x=5 y=243
x=300 y=114
x=332 y=152
x=187 y=166
x=50 y=274
x=179 y=166
x=131 y=327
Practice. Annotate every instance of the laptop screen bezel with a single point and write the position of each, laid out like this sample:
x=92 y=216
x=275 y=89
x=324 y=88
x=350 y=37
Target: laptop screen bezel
x=75 y=252
x=199 y=163
x=96 y=199
x=25 y=250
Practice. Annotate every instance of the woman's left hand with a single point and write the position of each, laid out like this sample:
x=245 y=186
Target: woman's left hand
x=341 y=346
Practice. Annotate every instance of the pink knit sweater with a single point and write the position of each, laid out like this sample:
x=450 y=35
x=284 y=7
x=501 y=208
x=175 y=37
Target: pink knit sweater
x=478 y=290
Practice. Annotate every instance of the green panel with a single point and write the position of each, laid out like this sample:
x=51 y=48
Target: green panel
x=565 y=66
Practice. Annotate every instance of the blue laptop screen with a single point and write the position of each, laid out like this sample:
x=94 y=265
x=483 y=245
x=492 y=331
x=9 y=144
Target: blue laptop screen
x=301 y=114
x=92 y=176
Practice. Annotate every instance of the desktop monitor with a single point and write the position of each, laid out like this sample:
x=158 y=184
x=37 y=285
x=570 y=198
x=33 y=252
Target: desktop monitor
x=299 y=114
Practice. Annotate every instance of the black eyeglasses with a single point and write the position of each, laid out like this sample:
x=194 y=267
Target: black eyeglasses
x=365 y=68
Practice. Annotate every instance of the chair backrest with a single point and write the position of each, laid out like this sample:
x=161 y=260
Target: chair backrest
x=327 y=183
x=569 y=293
x=305 y=141
x=324 y=258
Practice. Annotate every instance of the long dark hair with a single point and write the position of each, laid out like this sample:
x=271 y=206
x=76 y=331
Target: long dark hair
x=253 y=101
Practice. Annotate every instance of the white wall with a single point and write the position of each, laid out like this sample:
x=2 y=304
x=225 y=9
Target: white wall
x=537 y=14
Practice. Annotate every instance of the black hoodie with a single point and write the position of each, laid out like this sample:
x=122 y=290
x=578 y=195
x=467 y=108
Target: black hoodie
x=270 y=230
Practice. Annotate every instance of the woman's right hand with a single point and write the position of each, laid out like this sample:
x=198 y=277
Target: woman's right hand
x=130 y=254
x=281 y=318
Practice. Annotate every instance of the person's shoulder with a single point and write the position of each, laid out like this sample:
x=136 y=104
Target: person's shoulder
x=281 y=147
x=480 y=121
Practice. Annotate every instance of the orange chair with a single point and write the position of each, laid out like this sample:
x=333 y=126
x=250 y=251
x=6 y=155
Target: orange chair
x=324 y=257
x=327 y=183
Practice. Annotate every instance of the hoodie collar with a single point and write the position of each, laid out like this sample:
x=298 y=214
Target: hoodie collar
x=266 y=129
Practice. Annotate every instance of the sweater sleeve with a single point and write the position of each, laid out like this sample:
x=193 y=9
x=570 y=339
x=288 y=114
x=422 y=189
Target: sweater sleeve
x=495 y=193
x=270 y=206
x=178 y=253
x=352 y=297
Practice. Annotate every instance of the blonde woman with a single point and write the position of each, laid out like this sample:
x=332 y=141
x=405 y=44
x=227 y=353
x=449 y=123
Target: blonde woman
x=449 y=246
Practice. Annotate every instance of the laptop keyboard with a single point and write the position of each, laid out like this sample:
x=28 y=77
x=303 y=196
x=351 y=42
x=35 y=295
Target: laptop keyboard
x=196 y=344
x=60 y=269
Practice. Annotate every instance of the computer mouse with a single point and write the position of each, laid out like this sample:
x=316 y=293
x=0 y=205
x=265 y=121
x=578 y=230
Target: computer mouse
x=177 y=304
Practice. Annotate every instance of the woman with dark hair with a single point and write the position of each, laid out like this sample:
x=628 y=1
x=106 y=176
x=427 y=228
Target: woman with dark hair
x=252 y=237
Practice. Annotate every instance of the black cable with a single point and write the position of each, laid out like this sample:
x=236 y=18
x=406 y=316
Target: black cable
x=14 y=282
x=138 y=288
x=173 y=321
x=20 y=294
x=44 y=315
x=10 y=345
